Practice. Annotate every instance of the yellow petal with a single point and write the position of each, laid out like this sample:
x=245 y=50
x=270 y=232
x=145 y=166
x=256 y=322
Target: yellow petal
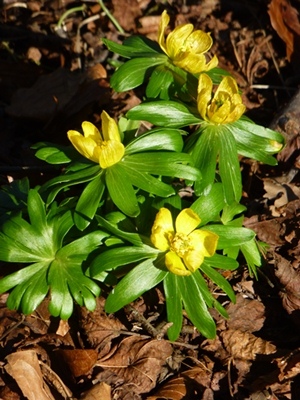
x=162 y=230
x=164 y=21
x=213 y=63
x=193 y=260
x=91 y=131
x=192 y=63
x=218 y=115
x=187 y=221
x=204 y=242
x=198 y=42
x=236 y=114
x=175 y=42
x=111 y=153
x=175 y=265
x=84 y=145
x=110 y=130
x=205 y=86
x=227 y=85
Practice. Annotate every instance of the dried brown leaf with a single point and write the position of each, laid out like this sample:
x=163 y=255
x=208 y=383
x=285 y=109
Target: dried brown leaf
x=290 y=280
x=100 y=391
x=284 y=19
x=246 y=315
x=244 y=345
x=99 y=327
x=289 y=366
x=80 y=361
x=24 y=367
x=138 y=361
x=195 y=379
x=126 y=12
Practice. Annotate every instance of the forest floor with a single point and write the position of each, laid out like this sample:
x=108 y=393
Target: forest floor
x=54 y=74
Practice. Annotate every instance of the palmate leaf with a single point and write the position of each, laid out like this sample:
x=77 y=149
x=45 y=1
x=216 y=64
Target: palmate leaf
x=255 y=141
x=88 y=202
x=134 y=46
x=173 y=305
x=164 y=164
x=204 y=152
x=229 y=167
x=55 y=185
x=166 y=139
x=119 y=256
x=165 y=113
x=121 y=191
x=134 y=72
x=209 y=206
x=139 y=280
x=192 y=291
x=56 y=267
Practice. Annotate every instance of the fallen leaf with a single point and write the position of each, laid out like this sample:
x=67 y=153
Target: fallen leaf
x=285 y=21
x=24 y=367
x=138 y=361
x=290 y=281
x=80 y=361
x=99 y=391
x=246 y=315
x=244 y=345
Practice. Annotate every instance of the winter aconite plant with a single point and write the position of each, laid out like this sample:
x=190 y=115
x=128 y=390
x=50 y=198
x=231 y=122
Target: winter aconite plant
x=133 y=209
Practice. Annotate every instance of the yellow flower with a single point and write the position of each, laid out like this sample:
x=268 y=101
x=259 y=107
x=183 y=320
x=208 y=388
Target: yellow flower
x=106 y=148
x=186 y=47
x=225 y=106
x=187 y=245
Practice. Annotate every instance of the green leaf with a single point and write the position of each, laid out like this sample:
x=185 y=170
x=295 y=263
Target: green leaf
x=133 y=238
x=23 y=275
x=231 y=236
x=252 y=256
x=13 y=197
x=148 y=183
x=230 y=211
x=134 y=72
x=88 y=202
x=204 y=153
x=160 y=83
x=74 y=178
x=157 y=139
x=173 y=304
x=128 y=49
x=222 y=262
x=52 y=153
x=255 y=141
x=140 y=279
x=229 y=167
x=29 y=294
x=208 y=206
x=78 y=250
x=61 y=303
x=121 y=191
x=195 y=306
x=36 y=209
x=21 y=242
x=165 y=113
x=219 y=280
x=114 y=258
x=163 y=163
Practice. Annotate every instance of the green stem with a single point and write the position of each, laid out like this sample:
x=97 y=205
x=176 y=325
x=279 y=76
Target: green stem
x=112 y=18
x=68 y=12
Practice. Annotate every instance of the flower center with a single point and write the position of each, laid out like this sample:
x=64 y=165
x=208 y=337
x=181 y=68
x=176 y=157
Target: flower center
x=103 y=144
x=180 y=244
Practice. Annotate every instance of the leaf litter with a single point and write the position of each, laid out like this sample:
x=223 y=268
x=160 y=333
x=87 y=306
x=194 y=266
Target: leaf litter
x=56 y=74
